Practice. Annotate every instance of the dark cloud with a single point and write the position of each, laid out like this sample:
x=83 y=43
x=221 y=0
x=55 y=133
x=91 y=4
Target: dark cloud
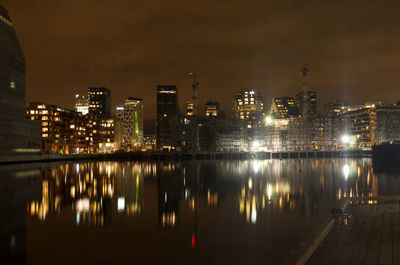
x=131 y=46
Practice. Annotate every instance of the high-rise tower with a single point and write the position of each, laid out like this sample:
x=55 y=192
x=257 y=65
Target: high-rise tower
x=131 y=116
x=167 y=109
x=99 y=101
x=247 y=102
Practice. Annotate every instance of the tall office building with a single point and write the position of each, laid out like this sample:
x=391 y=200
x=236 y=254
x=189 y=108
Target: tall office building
x=167 y=109
x=99 y=101
x=17 y=134
x=212 y=109
x=246 y=103
x=81 y=104
x=306 y=102
x=131 y=116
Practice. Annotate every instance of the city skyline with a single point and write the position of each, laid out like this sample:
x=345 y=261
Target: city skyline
x=146 y=49
x=217 y=132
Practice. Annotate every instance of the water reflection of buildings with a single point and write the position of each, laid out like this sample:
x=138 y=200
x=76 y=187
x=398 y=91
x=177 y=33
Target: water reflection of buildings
x=170 y=186
x=18 y=185
x=189 y=182
x=94 y=191
x=98 y=191
x=358 y=180
x=300 y=185
x=261 y=187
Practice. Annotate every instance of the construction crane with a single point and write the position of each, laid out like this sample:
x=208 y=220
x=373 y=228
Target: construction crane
x=195 y=127
x=305 y=105
x=303 y=73
x=195 y=85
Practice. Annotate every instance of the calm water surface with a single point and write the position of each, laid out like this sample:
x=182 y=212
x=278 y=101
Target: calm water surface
x=191 y=212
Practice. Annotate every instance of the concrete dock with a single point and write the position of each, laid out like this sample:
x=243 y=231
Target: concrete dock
x=372 y=236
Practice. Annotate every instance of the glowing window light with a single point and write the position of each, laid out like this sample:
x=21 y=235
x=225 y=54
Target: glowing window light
x=121 y=204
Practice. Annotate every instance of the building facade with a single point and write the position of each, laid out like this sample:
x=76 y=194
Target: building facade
x=189 y=108
x=17 y=134
x=131 y=117
x=57 y=127
x=247 y=102
x=105 y=134
x=167 y=109
x=66 y=131
x=81 y=104
x=306 y=102
x=99 y=101
x=372 y=123
x=283 y=108
x=212 y=109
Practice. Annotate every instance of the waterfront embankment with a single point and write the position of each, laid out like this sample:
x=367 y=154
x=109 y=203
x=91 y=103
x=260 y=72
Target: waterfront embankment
x=41 y=157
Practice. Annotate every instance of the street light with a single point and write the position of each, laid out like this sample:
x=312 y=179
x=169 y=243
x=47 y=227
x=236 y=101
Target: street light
x=268 y=120
x=346 y=139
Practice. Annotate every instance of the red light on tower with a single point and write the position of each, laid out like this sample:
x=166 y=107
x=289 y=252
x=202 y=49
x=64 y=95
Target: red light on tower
x=193 y=240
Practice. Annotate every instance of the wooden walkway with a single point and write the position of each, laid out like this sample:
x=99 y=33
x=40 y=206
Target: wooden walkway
x=372 y=236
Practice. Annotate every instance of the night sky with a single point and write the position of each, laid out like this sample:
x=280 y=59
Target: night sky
x=130 y=46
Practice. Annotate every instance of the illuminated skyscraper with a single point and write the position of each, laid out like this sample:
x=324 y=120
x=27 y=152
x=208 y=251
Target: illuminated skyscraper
x=99 y=101
x=17 y=134
x=167 y=109
x=131 y=116
x=247 y=102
